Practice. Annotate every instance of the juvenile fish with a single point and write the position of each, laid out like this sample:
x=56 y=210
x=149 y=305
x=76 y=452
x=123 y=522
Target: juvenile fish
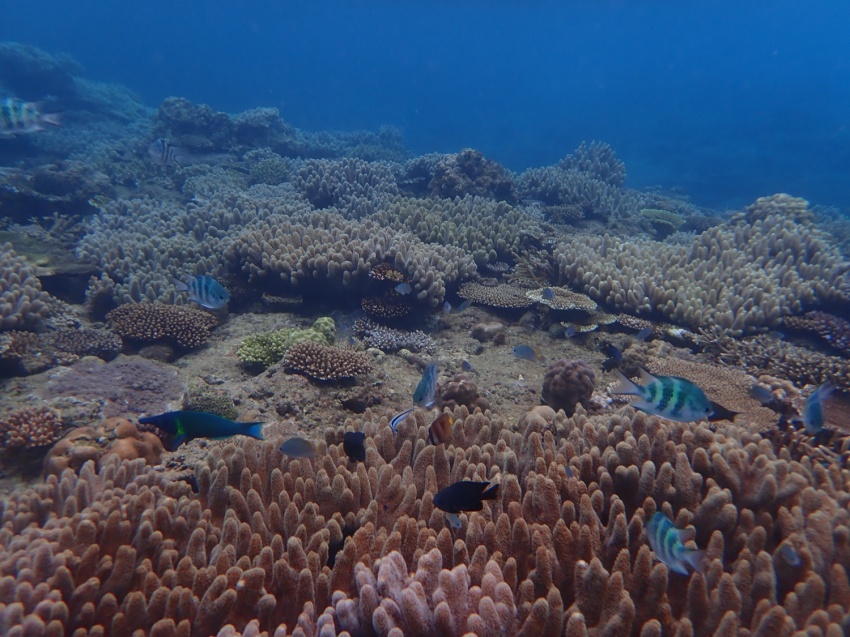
x=762 y=394
x=447 y=308
x=789 y=554
x=352 y=445
x=184 y=426
x=464 y=306
x=570 y=331
x=205 y=291
x=298 y=448
x=21 y=118
x=813 y=410
x=667 y=543
x=615 y=357
x=440 y=431
x=465 y=496
x=667 y=396
x=403 y=288
x=644 y=334
x=423 y=396
x=548 y=294
x=526 y=353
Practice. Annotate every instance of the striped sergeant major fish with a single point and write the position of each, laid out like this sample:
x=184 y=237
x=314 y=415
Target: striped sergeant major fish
x=164 y=153
x=21 y=118
x=667 y=396
x=668 y=544
x=423 y=396
x=205 y=291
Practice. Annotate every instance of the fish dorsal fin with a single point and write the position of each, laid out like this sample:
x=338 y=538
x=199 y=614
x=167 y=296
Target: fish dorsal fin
x=645 y=376
x=686 y=535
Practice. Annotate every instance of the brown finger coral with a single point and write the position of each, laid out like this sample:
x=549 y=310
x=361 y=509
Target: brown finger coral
x=568 y=383
x=323 y=546
x=326 y=363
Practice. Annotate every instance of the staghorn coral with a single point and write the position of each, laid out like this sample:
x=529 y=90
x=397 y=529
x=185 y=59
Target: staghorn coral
x=737 y=277
x=568 y=383
x=184 y=327
x=325 y=363
x=22 y=303
x=126 y=549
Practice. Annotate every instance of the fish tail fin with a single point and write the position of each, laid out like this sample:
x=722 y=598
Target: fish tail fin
x=697 y=560
x=254 y=429
x=54 y=119
x=626 y=385
x=491 y=493
x=175 y=442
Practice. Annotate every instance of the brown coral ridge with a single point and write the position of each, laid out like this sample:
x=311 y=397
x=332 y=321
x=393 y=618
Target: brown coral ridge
x=185 y=327
x=558 y=552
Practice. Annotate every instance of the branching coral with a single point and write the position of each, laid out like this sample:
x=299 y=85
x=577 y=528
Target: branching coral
x=562 y=548
x=326 y=363
x=154 y=322
x=22 y=302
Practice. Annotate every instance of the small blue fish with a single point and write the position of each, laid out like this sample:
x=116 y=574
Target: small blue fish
x=789 y=554
x=454 y=520
x=188 y=425
x=425 y=393
x=644 y=334
x=524 y=352
x=813 y=414
x=205 y=291
x=403 y=288
x=667 y=396
x=467 y=366
x=447 y=308
x=298 y=448
x=570 y=331
x=762 y=394
x=464 y=306
x=465 y=496
x=667 y=543
x=548 y=294
x=423 y=396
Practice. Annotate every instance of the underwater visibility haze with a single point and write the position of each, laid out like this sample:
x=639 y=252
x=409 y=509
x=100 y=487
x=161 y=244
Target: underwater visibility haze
x=380 y=319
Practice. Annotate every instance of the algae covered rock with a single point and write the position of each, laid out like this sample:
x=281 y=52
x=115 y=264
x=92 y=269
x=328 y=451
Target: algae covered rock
x=266 y=349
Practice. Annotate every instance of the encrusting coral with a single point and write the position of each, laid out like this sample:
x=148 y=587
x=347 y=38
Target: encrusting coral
x=330 y=547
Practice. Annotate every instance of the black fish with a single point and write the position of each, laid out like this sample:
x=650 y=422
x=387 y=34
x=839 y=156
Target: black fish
x=352 y=445
x=465 y=496
x=336 y=547
x=615 y=357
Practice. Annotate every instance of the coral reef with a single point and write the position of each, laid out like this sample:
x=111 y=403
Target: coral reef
x=722 y=280
x=388 y=339
x=266 y=349
x=184 y=327
x=568 y=383
x=462 y=390
x=470 y=173
x=354 y=187
x=22 y=302
x=212 y=400
x=562 y=299
x=501 y=295
x=326 y=363
x=29 y=428
x=834 y=330
x=324 y=546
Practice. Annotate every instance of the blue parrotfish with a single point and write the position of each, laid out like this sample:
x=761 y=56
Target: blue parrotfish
x=184 y=426
x=667 y=396
x=423 y=396
x=21 y=118
x=465 y=496
x=668 y=544
x=205 y=291
x=813 y=410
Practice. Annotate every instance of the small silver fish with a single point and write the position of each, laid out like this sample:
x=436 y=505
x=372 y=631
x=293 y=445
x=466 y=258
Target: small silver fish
x=205 y=291
x=403 y=288
x=644 y=334
x=667 y=543
x=447 y=308
x=425 y=393
x=464 y=306
x=526 y=353
x=813 y=410
x=762 y=394
x=298 y=448
x=548 y=294
x=666 y=396
x=454 y=520
x=21 y=118
x=570 y=331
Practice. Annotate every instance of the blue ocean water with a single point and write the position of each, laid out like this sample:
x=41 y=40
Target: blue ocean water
x=725 y=100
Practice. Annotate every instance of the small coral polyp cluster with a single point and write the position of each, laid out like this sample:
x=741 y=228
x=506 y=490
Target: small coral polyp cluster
x=270 y=546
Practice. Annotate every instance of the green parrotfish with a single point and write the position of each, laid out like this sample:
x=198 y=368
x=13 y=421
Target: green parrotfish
x=184 y=426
